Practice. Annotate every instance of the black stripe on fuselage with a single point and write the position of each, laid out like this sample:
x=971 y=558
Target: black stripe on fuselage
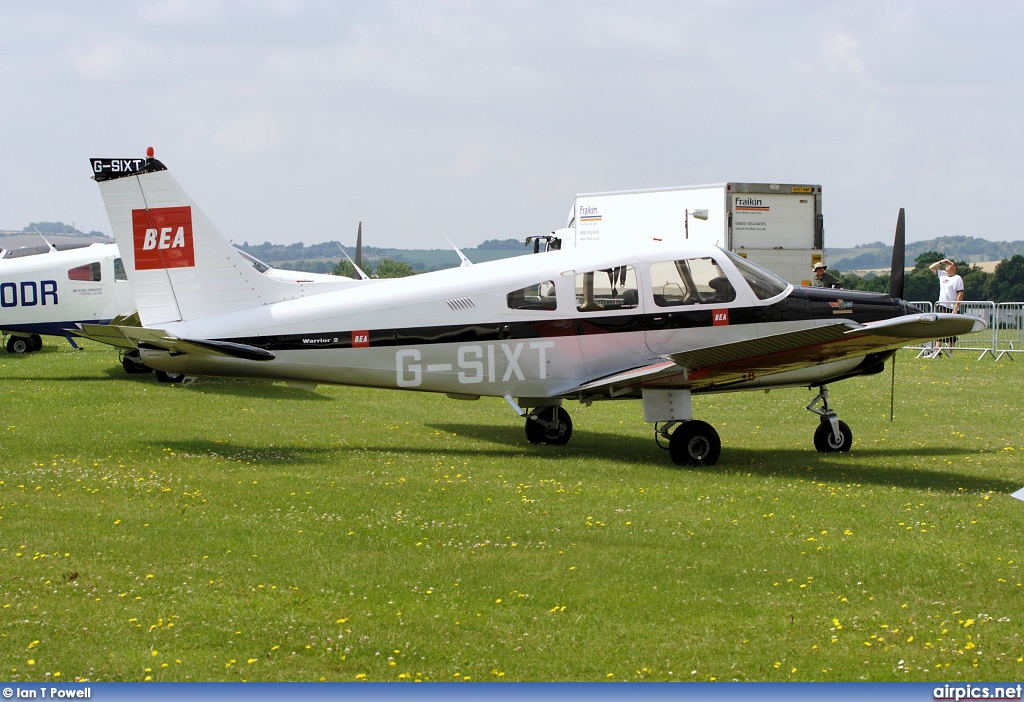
x=802 y=304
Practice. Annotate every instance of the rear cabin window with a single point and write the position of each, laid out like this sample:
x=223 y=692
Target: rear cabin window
x=119 y=272
x=540 y=296
x=90 y=272
x=690 y=281
x=608 y=289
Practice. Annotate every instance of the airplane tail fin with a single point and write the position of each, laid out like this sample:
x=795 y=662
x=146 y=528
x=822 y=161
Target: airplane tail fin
x=179 y=266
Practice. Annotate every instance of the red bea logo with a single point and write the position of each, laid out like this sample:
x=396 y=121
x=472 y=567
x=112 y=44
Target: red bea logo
x=360 y=338
x=163 y=238
x=720 y=318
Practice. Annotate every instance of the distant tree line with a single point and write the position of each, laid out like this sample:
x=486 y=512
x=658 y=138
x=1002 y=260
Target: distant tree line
x=878 y=254
x=1006 y=284
x=60 y=229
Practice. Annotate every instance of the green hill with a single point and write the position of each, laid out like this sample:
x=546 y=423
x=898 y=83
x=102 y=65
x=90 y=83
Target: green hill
x=961 y=248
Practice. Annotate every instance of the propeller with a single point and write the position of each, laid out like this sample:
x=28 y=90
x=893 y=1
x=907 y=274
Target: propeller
x=899 y=256
x=358 y=263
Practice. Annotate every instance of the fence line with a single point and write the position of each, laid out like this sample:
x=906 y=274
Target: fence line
x=1003 y=337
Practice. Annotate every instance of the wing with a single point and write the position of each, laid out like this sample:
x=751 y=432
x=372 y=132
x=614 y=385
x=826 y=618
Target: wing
x=749 y=359
x=143 y=338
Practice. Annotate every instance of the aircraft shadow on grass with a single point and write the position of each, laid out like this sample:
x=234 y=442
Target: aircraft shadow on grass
x=261 y=389
x=264 y=455
x=630 y=451
x=797 y=463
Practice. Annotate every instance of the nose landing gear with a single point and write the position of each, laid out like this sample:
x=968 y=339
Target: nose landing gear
x=832 y=435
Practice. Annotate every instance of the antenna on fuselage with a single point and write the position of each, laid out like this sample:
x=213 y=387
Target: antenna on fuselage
x=45 y=240
x=462 y=256
x=359 y=271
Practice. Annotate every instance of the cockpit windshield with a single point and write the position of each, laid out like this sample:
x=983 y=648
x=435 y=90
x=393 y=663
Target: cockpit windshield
x=764 y=283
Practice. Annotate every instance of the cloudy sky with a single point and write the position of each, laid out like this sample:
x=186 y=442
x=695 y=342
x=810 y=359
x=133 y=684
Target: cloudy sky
x=293 y=121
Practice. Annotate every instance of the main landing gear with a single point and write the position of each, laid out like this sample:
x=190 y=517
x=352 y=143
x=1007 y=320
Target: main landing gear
x=690 y=443
x=832 y=435
x=548 y=425
x=24 y=344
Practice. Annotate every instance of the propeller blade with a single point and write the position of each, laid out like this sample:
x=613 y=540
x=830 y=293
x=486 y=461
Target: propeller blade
x=899 y=255
x=359 y=247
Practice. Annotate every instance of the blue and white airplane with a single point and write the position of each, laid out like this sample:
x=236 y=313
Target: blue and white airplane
x=46 y=291
x=657 y=323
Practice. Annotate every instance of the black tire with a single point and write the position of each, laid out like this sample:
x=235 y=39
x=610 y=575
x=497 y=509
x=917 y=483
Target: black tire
x=166 y=377
x=132 y=365
x=36 y=342
x=19 y=344
x=537 y=433
x=695 y=443
x=825 y=440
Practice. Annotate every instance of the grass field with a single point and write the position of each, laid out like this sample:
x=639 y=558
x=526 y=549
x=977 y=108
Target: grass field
x=235 y=530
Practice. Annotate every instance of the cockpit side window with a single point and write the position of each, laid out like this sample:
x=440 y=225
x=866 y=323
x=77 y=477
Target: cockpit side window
x=764 y=283
x=89 y=272
x=608 y=289
x=690 y=281
x=540 y=296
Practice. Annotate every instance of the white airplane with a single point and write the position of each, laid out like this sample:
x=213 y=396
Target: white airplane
x=46 y=291
x=657 y=323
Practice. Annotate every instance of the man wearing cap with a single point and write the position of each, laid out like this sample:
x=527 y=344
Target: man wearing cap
x=823 y=279
x=951 y=285
x=951 y=292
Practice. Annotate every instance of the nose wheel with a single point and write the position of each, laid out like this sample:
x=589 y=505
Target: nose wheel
x=832 y=434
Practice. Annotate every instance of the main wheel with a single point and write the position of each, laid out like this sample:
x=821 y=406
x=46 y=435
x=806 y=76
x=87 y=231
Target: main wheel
x=36 y=342
x=166 y=377
x=19 y=344
x=825 y=441
x=537 y=433
x=695 y=443
x=132 y=364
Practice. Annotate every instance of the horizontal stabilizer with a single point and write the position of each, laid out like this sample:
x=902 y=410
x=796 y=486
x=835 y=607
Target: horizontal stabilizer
x=230 y=348
x=157 y=339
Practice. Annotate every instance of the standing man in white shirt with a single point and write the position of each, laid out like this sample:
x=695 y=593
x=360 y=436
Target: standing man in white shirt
x=951 y=292
x=951 y=286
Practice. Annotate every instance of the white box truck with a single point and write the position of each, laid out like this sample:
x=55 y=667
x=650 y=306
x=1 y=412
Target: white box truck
x=777 y=226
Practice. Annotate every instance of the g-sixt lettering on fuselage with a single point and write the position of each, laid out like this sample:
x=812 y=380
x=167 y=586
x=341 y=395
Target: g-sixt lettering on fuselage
x=28 y=293
x=476 y=363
